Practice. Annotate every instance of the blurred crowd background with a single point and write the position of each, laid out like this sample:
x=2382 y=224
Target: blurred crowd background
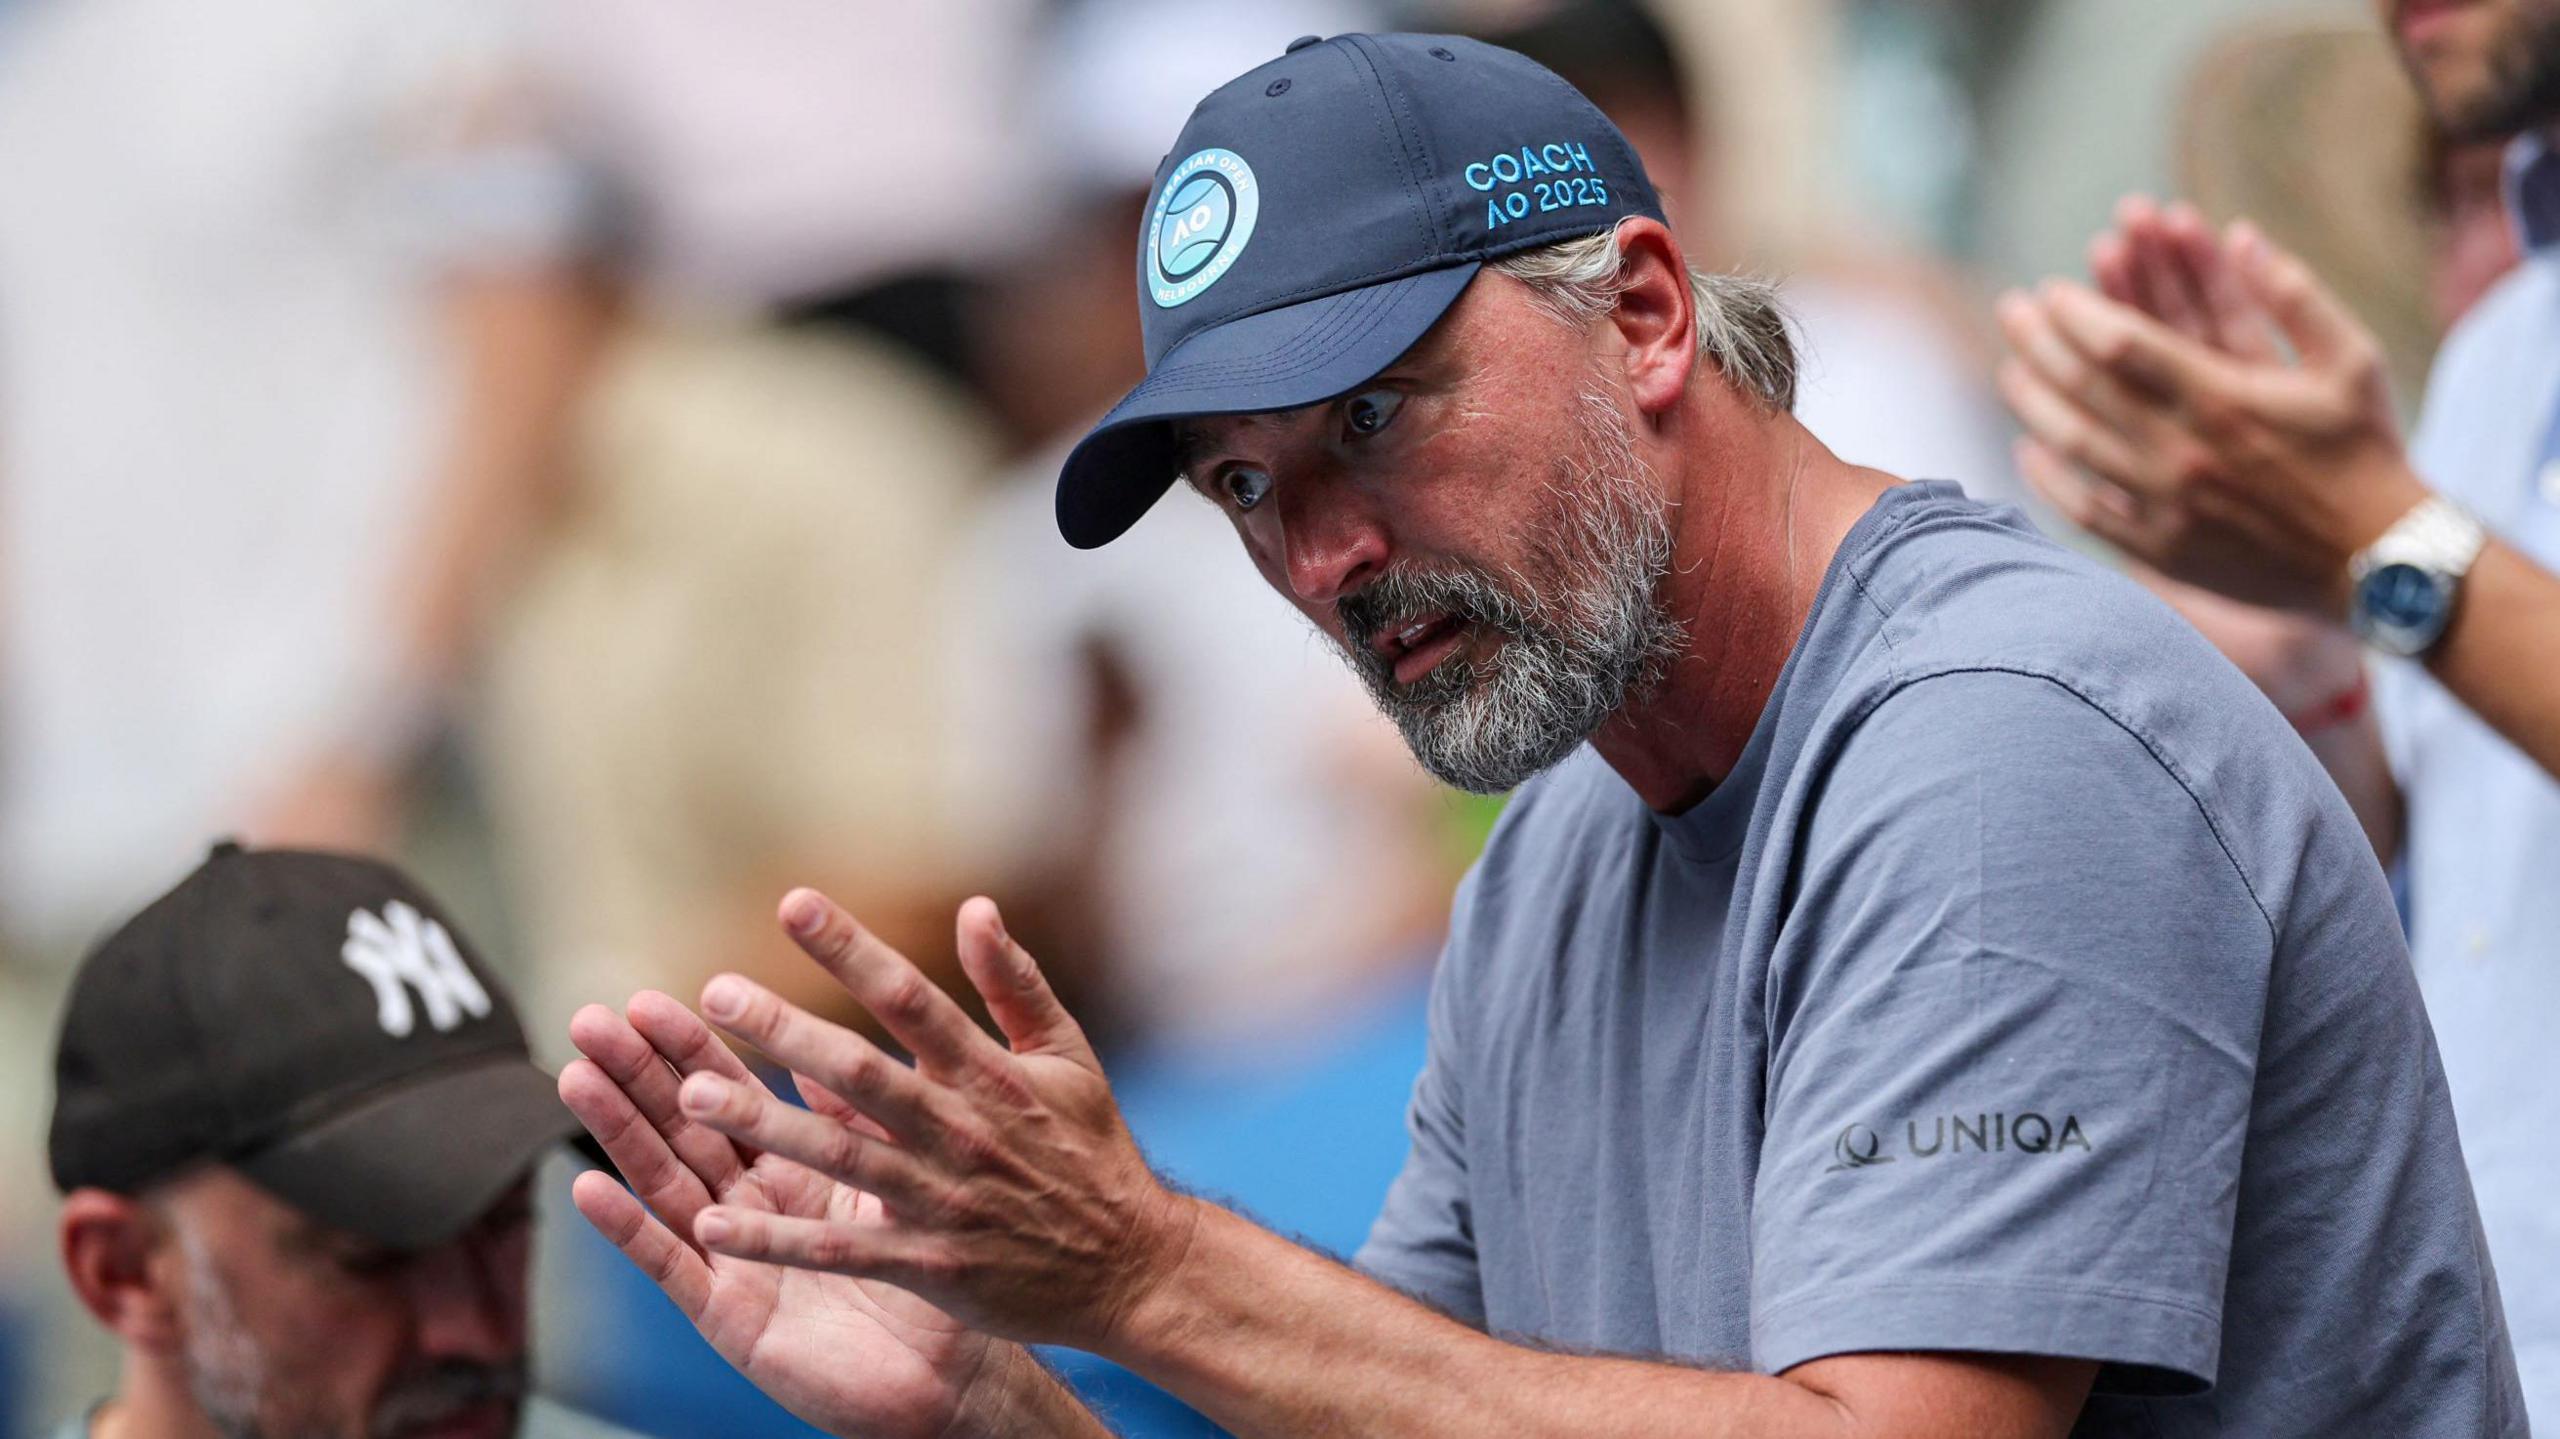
x=600 y=451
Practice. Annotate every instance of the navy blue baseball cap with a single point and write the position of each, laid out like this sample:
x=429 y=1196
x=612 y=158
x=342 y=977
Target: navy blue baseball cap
x=1318 y=215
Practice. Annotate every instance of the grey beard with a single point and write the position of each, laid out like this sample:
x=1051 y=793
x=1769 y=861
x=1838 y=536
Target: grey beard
x=1581 y=630
x=227 y=1376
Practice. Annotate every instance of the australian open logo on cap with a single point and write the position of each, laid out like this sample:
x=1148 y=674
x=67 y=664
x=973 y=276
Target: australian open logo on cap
x=1200 y=225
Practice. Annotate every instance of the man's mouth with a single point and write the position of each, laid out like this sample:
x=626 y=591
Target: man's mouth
x=488 y=1419
x=1421 y=644
x=2418 y=20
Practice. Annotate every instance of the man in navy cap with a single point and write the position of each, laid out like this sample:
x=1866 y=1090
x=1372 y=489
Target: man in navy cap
x=1919 y=990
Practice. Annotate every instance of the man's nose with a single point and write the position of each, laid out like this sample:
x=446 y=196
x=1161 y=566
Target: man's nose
x=467 y=1305
x=1332 y=542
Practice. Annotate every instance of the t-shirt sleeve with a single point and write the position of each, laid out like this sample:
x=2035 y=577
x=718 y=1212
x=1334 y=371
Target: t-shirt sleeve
x=2014 y=1020
x=1424 y=1240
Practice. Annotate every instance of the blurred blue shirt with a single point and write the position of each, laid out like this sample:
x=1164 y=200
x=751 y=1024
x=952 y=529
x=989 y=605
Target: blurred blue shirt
x=2481 y=840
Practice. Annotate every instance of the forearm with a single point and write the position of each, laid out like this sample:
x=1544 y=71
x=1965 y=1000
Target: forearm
x=1024 y=1399
x=2501 y=656
x=1271 y=1339
x=2352 y=752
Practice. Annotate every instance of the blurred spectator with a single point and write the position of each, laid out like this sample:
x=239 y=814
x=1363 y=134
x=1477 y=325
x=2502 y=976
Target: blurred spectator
x=1891 y=379
x=292 y=300
x=295 y=1127
x=715 y=683
x=719 y=682
x=2221 y=414
x=2309 y=128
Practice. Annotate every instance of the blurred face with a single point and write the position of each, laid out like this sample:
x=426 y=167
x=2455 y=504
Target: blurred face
x=296 y=1331
x=2487 y=68
x=1475 y=530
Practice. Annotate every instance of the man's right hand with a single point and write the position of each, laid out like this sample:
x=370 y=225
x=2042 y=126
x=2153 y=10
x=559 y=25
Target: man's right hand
x=854 y=1357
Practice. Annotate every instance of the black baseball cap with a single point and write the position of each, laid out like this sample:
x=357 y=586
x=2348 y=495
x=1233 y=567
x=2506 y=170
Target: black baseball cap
x=315 y=1022
x=1318 y=215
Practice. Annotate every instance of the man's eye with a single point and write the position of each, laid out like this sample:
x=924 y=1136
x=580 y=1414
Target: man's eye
x=1247 y=487
x=1370 y=411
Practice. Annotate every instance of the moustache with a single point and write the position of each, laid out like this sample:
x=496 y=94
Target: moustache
x=442 y=1393
x=1394 y=598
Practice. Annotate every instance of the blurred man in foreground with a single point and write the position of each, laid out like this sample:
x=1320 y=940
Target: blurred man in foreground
x=2219 y=415
x=1909 y=997
x=295 y=1126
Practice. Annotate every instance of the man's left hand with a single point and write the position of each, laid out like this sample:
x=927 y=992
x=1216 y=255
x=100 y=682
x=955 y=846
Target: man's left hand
x=1013 y=1195
x=2243 y=472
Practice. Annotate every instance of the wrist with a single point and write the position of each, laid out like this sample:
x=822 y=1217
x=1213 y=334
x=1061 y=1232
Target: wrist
x=2340 y=708
x=1153 y=1302
x=2366 y=515
x=1013 y=1393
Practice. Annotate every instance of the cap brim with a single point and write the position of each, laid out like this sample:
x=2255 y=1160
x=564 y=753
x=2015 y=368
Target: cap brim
x=1279 y=359
x=415 y=1165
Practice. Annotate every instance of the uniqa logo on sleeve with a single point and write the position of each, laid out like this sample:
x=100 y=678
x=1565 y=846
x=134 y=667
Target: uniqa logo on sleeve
x=1200 y=225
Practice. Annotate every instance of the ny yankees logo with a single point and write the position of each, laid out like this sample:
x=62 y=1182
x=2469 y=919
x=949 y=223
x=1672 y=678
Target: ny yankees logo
x=402 y=950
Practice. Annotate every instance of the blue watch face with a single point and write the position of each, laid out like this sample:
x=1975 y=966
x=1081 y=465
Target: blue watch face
x=2403 y=597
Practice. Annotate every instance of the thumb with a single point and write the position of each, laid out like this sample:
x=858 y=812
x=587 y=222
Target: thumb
x=1018 y=996
x=2320 y=329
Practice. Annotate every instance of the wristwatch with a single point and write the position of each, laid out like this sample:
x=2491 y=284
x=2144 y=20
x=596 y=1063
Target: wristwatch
x=2407 y=582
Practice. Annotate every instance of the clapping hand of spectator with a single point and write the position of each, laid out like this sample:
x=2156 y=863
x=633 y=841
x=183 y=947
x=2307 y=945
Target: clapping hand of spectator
x=2215 y=412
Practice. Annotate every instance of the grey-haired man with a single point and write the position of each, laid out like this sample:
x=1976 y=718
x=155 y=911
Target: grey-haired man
x=1920 y=990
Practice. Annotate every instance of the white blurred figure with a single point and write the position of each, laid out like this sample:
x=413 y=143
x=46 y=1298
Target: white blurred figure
x=292 y=300
x=257 y=266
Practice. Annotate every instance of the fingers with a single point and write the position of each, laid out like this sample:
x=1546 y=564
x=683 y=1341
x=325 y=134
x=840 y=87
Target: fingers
x=2130 y=345
x=2320 y=329
x=2238 y=325
x=2068 y=430
x=869 y=1251
x=681 y=1038
x=911 y=1007
x=625 y=1095
x=637 y=1148
x=2111 y=268
x=2090 y=504
x=1017 y=994
x=2161 y=283
x=752 y=1113
x=2077 y=410
x=643 y=1240
x=834 y=1057
x=834 y=1106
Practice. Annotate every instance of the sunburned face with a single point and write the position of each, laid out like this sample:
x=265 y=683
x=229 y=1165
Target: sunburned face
x=2487 y=68
x=295 y=1331
x=1474 y=528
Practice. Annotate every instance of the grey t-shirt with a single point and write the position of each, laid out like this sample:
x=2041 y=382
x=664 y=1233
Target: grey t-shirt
x=2026 y=988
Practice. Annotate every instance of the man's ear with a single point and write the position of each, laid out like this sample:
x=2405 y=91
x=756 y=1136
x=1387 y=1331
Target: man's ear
x=1656 y=316
x=113 y=1251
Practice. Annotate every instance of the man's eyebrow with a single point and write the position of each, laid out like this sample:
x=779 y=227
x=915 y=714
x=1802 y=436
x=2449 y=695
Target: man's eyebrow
x=1188 y=447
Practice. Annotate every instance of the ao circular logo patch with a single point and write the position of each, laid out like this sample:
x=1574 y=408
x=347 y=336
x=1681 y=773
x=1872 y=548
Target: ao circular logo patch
x=1200 y=225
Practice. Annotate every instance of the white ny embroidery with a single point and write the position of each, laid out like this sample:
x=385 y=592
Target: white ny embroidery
x=402 y=950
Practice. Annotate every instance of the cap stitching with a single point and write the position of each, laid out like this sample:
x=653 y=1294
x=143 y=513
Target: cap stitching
x=1191 y=378
x=1322 y=331
x=1407 y=147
